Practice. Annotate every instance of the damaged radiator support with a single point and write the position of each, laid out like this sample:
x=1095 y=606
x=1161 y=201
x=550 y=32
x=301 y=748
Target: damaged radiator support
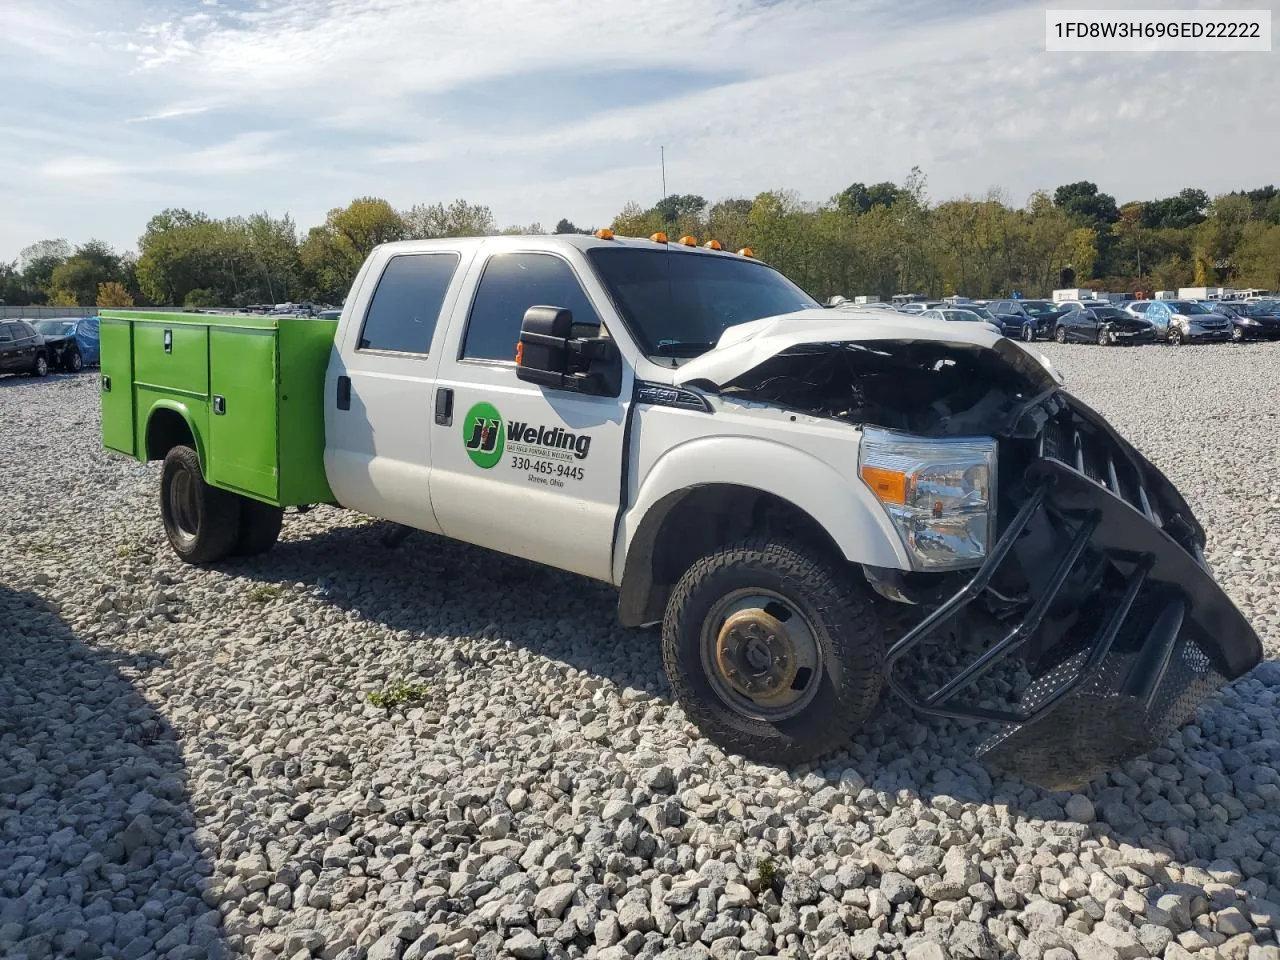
x=1159 y=640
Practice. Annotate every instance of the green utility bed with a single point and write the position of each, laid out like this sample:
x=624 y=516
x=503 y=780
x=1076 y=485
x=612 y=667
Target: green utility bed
x=246 y=391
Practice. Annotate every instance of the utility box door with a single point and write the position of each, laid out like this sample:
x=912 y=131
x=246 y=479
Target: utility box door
x=243 y=411
x=116 y=385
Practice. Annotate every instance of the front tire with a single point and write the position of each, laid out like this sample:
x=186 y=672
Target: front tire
x=1060 y=334
x=1028 y=332
x=1104 y=337
x=1175 y=337
x=41 y=367
x=773 y=651
x=75 y=362
x=202 y=522
x=1237 y=334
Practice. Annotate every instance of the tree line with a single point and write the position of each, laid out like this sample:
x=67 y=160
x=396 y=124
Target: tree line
x=877 y=239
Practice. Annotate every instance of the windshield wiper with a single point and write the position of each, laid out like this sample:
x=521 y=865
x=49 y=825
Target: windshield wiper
x=682 y=348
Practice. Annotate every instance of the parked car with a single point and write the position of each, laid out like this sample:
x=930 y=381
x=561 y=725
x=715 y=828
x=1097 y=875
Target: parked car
x=1259 y=320
x=1185 y=321
x=1027 y=319
x=71 y=342
x=1103 y=325
x=958 y=315
x=22 y=349
x=921 y=306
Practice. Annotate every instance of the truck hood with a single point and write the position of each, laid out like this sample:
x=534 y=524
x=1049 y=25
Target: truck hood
x=743 y=347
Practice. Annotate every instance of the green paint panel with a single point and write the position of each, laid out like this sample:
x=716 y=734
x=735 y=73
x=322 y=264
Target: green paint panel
x=116 y=385
x=242 y=437
x=182 y=366
x=265 y=373
x=305 y=346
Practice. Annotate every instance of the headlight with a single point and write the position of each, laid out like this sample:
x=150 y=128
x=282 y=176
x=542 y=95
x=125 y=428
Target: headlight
x=939 y=494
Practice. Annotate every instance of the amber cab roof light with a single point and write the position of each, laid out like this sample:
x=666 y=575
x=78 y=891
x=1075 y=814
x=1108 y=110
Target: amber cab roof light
x=604 y=233
x=658 y=237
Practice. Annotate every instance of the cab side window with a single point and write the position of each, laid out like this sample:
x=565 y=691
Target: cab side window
x=510 y=285
x=406 y=304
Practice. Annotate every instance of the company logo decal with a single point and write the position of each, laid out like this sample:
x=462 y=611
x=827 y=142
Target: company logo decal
x=483 y=436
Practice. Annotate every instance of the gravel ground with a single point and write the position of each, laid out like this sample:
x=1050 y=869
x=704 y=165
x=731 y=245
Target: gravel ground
x=190 y=765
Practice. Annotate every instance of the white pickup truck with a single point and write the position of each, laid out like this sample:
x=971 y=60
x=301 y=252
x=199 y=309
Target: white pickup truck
x=781 y=486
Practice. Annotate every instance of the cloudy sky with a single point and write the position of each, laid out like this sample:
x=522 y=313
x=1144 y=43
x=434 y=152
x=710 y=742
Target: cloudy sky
x=111 y=110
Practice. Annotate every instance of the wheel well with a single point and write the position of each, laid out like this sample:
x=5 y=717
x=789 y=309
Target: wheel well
x=689 y=524
x=165 y=430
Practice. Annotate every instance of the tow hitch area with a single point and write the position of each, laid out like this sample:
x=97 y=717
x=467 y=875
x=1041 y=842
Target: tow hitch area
x=1121 y=626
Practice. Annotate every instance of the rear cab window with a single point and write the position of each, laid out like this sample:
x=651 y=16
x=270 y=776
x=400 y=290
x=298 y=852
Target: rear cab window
x=406 y=304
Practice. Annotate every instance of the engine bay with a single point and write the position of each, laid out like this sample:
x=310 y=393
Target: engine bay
x=924 y=387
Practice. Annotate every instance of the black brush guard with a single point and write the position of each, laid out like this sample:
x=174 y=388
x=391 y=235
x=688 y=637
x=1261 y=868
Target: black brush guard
x=1159 y=640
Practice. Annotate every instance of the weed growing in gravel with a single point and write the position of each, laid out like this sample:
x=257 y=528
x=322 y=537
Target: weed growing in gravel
x=399 y=692
x=126 y=550
x=768 y=870
x=265 y=592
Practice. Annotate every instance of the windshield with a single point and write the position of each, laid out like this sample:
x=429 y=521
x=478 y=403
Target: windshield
x=55 y=328
x=679 y=304
x=964 y=315
x=982 y=312
x=1188 y=308
x=1038 y=308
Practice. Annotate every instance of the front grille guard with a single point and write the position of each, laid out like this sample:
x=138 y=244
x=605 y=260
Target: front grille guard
x=1109 y=704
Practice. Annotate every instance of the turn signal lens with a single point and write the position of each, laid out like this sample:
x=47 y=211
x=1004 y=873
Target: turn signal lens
x=713 y=245
x=689 y=241
x=889 y=486
x=604 y=233
x=746 y=252
x=658 y=237
x=519 y=353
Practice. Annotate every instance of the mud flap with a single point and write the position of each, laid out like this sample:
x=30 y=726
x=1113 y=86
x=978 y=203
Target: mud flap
x=1161 y=639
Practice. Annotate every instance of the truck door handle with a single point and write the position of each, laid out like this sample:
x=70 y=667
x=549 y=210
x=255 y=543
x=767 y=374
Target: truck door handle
x=344 y=393
x=220 y=405
x=444 y=406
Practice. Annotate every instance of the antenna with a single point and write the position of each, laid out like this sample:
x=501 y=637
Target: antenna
x=662 y=155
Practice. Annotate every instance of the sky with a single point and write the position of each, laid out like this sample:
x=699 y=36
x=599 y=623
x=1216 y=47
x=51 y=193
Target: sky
x=112 y=110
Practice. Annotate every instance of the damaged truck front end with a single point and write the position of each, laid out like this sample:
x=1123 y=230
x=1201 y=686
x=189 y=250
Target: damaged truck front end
x=1092 y=578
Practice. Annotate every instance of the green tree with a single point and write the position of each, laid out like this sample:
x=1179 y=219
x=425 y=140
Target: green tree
x=1258 y=256
x=36 y=264
x=680 y=208
x=426 y=221
x=113 y=294
x=334 y=252
x=1082 y=202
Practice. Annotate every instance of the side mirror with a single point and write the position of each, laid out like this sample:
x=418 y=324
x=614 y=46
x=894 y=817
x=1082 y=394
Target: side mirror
x=555 y=352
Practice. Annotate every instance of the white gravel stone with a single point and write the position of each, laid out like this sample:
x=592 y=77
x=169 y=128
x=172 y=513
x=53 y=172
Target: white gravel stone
x=189 y=765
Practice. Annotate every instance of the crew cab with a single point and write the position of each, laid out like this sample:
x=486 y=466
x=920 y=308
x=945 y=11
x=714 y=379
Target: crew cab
x=814 y=504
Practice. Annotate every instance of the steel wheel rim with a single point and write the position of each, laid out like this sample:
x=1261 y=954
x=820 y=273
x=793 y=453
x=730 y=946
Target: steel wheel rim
x=77 y=363
x=42 y=366
x=784 y=689
x=1104 y=338
x=182 y=499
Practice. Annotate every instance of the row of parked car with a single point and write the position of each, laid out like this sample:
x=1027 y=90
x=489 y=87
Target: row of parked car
x=1107 y=323
x=37 y=347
